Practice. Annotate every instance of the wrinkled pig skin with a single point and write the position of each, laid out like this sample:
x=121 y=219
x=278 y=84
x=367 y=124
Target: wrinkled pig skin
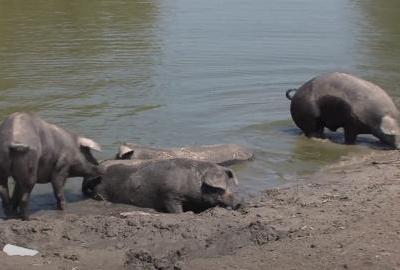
x=35 y=151
x=342 y=100
x=171 y=185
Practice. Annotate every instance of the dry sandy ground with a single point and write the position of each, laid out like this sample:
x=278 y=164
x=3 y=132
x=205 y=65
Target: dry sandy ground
x=346 y=216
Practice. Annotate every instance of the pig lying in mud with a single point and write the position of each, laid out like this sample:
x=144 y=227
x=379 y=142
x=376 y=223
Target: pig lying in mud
x=222 y=154
x=171 y=185
x=34 y=151
x=342 y=100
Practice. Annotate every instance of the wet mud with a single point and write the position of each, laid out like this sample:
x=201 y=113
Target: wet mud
x=344 y=217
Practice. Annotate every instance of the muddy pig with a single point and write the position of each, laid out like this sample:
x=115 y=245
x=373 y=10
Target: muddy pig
x=222 y=154
x=34 y=151
x=342 y=100
x=171 y=185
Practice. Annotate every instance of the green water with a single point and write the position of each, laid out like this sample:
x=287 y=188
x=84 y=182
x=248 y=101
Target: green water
x=184 y=72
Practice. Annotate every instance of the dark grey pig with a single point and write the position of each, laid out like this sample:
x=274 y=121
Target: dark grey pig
x=342 y=100
x=171 y=185
x=34 y=151
x=222 y=154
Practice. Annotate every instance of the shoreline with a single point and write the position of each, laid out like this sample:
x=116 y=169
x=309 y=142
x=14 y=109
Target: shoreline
x=344 y=216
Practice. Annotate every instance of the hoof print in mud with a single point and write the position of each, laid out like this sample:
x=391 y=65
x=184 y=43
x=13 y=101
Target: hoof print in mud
x=143 y=259
x=261 y=233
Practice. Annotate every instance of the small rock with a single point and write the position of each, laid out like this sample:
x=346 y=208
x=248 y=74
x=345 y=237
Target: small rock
x=12 y=250
x=71 y=257
x=66 y=236
x=84 y=245
x=120 y=245
x=57 y=254
x=185 y=235
x=131 y=223
x=135 y=213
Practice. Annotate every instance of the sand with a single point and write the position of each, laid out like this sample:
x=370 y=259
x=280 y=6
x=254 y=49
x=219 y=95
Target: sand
x=346 y=216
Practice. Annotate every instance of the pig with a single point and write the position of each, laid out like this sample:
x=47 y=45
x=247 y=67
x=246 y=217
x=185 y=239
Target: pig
x=35 y=151
x=342 y=100
x=222 y=154
x=169 y=185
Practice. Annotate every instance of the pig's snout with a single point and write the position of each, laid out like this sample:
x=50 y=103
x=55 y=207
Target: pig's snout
x=230 y=200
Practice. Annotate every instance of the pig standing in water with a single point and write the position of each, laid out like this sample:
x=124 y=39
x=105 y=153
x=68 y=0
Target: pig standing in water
x=222 y=154
x=342 y=100
x=171 y=185
x=32 y=150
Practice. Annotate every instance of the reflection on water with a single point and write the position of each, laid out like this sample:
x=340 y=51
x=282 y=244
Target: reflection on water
x=184 y=72
x=76 y=62
x=378 y=41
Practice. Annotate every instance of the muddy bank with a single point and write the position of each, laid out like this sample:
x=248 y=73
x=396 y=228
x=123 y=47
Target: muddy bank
x=345 y=217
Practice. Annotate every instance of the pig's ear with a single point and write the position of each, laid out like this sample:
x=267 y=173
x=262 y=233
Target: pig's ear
x=125 y=152
x=231 y=176
x=215 y=182
x=389 y=126
x=86 y=142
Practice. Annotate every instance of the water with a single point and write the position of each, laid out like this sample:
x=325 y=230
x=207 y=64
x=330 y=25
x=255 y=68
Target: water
x=183 y=72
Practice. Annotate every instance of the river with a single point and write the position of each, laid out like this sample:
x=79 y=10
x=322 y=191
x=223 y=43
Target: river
x=185 y=72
